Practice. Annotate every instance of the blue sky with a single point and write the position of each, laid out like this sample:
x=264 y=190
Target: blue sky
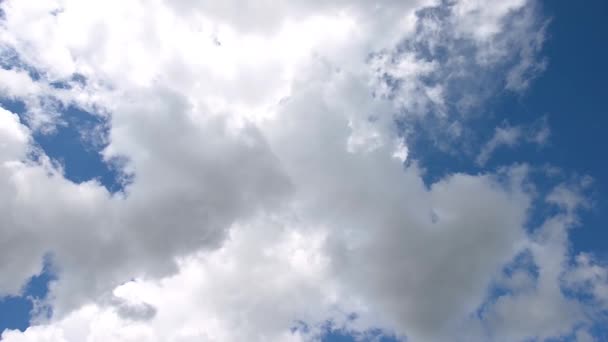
x=568 y=96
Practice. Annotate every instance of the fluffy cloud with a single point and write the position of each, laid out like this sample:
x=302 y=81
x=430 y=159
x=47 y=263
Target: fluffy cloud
x=264 y=197
x=538 y=307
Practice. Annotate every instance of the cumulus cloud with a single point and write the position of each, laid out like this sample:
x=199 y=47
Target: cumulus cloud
x=540 y=308
x=268 y=195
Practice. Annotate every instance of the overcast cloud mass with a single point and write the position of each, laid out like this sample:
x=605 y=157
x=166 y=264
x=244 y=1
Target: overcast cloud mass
x=269 y=183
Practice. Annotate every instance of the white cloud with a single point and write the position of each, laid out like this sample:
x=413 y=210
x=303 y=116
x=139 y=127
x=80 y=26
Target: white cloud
x=266 y=189
x=14 y=135
x=503 y=136
x=253 y=287
x=590 y=277
x=510 y=136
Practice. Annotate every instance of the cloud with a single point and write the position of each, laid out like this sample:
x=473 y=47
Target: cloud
x=510 y=136
x=353 y=192
x=503 y=136
x=542 y=308
x=265 y=190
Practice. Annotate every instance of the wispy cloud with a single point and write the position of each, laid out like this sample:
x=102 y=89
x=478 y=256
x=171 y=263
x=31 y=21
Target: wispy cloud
x=510 y=136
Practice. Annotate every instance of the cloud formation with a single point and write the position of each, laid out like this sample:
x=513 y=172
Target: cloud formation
x=510 y=136
x=264 y=198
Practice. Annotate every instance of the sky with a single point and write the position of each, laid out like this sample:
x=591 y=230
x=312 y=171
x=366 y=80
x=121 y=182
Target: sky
x=331 y=171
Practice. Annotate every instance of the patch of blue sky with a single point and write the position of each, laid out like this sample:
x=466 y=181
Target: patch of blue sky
x=15 y=311
x=331 y=333
x=76 y=144
x=9 y=59
x=345 y=336
x=75 y=79
x=79 y=137
x=573 y=91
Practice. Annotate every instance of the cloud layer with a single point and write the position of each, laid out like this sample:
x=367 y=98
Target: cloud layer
x=262 y=196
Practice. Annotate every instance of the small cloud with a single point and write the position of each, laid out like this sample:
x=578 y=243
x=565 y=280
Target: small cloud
x=540 y=132
x=401 y=152
x=135 y=311
x=503 y=136
x=537 y=133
